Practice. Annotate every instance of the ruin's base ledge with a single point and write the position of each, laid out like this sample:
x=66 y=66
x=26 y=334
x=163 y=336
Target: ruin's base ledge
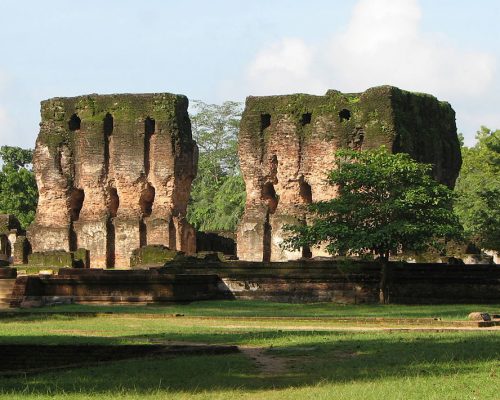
x=295 y=282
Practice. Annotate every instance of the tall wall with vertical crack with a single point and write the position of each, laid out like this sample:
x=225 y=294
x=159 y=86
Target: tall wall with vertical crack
x=287 y=145
x=114 y=173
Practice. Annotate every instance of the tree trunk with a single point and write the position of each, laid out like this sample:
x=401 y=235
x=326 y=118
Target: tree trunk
x=384 y=279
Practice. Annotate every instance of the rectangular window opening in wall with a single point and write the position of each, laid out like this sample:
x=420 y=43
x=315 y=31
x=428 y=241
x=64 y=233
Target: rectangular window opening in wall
x=146 y=200
x=107 y=127
x=149 y=130
x=265 y=121
x=143 y=233
x=110 y=243
x=266 y=241
x=74 y=123
x=77 y=198
x=306 y=119
x=172 y=239
x=113 y=202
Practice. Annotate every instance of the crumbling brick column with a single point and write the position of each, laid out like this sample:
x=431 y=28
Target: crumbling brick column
x=114 y=174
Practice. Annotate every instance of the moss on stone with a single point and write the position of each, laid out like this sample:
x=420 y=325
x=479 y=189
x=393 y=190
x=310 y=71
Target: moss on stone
x=416 y=123
x=81 y=258
x=128 y=110
x=92 y=109
x=361 y=107
x=21 y=250
x=55 y=258
x=60 y=259
x=152 y=255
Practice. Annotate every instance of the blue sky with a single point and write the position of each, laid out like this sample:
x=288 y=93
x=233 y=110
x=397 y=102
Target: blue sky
x=225 y=50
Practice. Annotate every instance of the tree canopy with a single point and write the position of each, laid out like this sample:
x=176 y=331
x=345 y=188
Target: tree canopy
x=478 y=190
x=218 y=192
x=385 y=203
x=18 y=191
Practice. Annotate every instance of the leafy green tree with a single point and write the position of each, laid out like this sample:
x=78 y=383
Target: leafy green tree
x=385 y=203
x=18 y=191
x=478 y=190
x=218 y=192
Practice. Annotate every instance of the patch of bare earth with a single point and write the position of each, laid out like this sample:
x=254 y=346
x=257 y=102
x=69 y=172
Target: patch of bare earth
x=267 y=364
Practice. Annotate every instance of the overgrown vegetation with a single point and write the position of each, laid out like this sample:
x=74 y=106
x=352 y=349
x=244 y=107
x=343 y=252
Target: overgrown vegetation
x=218 y=192
x=385 y=203
x=478 y=190
x=18 y=191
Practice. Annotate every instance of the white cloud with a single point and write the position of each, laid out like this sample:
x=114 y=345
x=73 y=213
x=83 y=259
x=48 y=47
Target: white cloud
x=383 y=43
x=282 y=67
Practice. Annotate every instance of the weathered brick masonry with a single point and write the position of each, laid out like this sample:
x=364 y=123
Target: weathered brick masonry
x=293 y=281
x=287 y=145
x=114 y=174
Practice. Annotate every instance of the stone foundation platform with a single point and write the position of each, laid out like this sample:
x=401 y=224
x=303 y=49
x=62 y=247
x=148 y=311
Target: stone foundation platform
x=98 y=286
x=351 y=282
x=295 y=282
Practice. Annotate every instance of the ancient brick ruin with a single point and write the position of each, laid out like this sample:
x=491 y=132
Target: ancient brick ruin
x=287 y=144
x=13 y=244
x=114 y=174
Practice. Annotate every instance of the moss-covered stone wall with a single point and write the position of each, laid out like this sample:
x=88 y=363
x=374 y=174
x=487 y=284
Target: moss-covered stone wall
x=60 y=259
x=152 y=255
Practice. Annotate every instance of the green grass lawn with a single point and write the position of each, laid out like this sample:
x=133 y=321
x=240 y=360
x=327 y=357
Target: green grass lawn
x=319 y=359
x=241 y=308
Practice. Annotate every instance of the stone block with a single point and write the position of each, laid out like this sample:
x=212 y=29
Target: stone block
x=8 y=273
x=55 y=258
x=21 y=250
x=152 y=255
x=479 y=316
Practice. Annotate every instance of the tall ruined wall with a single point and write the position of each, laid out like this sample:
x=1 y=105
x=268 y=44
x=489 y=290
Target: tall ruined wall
x=114 y=173
x=287 y=145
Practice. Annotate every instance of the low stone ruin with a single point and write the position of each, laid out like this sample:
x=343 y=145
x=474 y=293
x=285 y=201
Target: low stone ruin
x=114 y=174
x=287 y=145
x=14 y=247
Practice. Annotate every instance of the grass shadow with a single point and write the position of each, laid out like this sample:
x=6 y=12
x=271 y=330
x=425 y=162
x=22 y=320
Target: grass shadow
x=315 y=357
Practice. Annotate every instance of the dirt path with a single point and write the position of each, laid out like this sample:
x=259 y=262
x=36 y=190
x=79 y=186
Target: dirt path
x=267 y=364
